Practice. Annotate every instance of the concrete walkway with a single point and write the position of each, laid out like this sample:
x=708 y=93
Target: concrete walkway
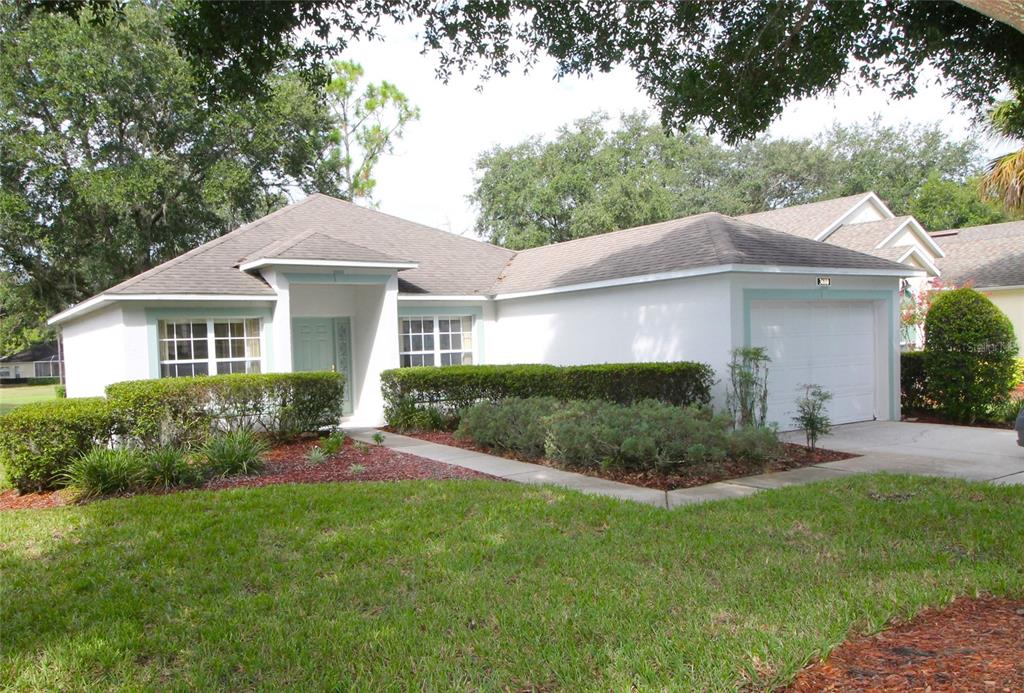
x=985 y=466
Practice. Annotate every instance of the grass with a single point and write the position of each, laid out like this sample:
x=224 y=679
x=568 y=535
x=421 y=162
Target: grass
x=482 y=585
x=15 y=396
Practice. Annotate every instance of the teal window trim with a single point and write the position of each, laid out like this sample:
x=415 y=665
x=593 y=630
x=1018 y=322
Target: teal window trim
x=337 y=277
x=886 y=297
x=155 y=315
x=477 y=312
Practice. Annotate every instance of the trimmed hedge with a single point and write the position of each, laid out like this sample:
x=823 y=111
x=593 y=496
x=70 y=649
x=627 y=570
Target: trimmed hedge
x=913 y=384
x=39 y=441
x=452 y=388
x=184 y=411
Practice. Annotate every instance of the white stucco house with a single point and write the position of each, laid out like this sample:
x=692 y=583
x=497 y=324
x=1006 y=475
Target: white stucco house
x=328 y=284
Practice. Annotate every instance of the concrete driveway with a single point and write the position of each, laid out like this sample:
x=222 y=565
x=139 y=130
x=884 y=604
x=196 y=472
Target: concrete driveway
x=983 y=454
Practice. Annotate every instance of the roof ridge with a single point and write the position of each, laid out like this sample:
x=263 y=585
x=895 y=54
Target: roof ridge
x=606 y=234
x=199 y=250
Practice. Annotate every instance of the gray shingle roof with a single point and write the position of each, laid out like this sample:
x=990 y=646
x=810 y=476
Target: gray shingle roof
x=807 y=220
x=985 y=256
x=44 y=351
x=448 y=264
x=314 y=245
x=325 y=228
x=865 y=236
x=699 y=241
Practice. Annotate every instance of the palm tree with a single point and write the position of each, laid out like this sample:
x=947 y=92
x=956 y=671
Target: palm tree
x=1004 y=179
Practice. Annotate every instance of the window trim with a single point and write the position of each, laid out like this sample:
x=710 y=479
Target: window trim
x=437 y=352
x=211 y=359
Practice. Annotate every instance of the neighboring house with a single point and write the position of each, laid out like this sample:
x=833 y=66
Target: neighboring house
x=327 y=284
x=38 y=361
x=991 y=259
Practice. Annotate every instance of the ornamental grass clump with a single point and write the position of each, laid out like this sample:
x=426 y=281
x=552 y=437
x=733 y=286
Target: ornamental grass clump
x=234 y=454
x=105 y=472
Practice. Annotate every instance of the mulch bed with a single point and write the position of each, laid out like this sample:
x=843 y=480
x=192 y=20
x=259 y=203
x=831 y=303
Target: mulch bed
x=971 y=645
x=287 y=464
x=794 y=456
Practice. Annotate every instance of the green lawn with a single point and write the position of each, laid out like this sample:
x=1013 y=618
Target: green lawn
x=11 y=397
x=482 y=585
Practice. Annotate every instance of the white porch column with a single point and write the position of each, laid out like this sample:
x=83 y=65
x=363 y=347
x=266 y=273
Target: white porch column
x=383 y=356
x=281 y=331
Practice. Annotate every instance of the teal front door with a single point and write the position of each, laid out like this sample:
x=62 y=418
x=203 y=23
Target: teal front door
x=324 y=344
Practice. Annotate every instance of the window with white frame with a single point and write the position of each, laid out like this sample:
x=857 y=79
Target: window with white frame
x=47 y=369
x=444 y=340
x=204 y=347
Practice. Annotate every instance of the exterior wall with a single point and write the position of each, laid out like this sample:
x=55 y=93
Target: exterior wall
x=96 y=352
x=1011 y=302
x=866 y=211
x=674 y=320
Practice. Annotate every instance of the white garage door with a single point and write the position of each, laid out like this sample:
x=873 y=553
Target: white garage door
x=828 y=344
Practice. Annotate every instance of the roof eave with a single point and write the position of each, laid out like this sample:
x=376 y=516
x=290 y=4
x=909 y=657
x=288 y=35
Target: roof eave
x=354 y=264
x=102 y=300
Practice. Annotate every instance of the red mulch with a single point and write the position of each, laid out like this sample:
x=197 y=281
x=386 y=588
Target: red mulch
x=795 y=456
x=972 y=645
x=287 y=464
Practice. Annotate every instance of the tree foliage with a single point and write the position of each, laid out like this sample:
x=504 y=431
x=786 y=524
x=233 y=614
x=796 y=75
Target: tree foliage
x=114 y=160
x=367 y=120
x=729 y=65
x=591 y=179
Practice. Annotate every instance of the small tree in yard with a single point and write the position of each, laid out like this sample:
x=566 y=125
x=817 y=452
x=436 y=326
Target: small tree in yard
x=969 y=354
x=812 y=415
x=747 y=392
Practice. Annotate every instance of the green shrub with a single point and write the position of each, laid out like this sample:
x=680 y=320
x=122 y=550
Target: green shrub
x=645 y=435
x=754 y=445
x=185 y=411
x=168 y=467
x=105 y=472
x=450 y=389
x=61 y=391
x=513 y=425
x=333 y=443
x=39 y=441
x=1018 y=373
x=404 y=415
x=747 y=389
x=913 y=385
x=234 y=453
x=970 y=352
x=1006 y=411
x=812 y=414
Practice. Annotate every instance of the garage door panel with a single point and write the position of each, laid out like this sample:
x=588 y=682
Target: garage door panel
x=831 y=344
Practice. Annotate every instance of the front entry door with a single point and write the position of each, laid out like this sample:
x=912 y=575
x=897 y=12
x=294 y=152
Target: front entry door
x=324 y=344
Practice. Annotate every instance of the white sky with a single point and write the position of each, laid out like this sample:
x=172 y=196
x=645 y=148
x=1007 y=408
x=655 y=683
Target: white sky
x=430 y=174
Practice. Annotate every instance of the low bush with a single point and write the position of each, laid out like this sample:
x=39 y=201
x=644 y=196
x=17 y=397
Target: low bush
x=513 y=425
x=1006 y=411
x=812 y=415
x=185 y=411
x=1018 y=373
x=39 y=441
x=168 y=467
x=333 y=443
x=645 y=435
x=913 y=384
x=404 y=414
x=234 y=453
x=450 y=389
x=316 y=455
x=970 y=354
x=104 y=472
